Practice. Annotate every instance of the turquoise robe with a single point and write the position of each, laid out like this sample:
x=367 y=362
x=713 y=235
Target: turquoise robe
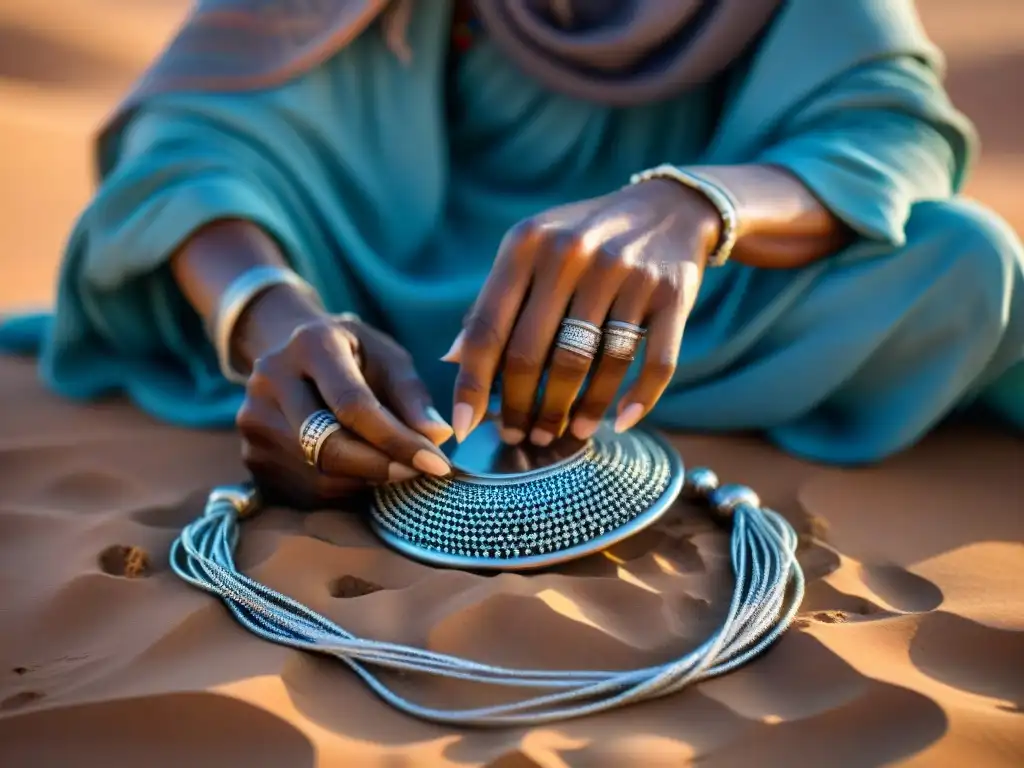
x=389 y=186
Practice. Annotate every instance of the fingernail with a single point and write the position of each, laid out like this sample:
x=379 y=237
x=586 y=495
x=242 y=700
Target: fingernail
x=431 y=463
x=399 y=473
x=454 y=355
x=541 y=437
x=440 y=430
x=512 y=436
x=584 y=428
x=433 y=415
x=629 y=417
x=462 y=420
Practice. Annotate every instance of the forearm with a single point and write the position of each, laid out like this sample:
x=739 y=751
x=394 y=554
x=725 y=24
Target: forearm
x=218 y=254
x=782 y=225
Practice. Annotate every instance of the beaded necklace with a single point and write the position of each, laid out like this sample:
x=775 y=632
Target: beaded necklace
x=578 y=505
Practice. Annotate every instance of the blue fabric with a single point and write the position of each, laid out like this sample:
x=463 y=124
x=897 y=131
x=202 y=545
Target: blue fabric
x=391 y=195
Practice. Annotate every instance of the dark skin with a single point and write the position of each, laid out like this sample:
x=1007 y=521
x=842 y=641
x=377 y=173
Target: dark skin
x=301 y=359
x=637 y=254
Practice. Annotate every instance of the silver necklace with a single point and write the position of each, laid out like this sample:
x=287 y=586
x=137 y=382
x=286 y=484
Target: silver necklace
x=503 y=512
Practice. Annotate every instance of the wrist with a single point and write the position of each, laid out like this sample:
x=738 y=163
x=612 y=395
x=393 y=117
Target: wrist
x=711 y=194
x=702 y=215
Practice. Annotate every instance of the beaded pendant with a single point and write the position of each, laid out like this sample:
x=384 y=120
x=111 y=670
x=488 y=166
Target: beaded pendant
x=503 y=510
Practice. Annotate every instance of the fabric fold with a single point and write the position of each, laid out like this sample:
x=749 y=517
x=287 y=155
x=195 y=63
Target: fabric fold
x=876 y=141
x=393 y=206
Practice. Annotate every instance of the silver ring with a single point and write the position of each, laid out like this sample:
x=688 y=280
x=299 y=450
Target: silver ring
x=621 y=340
x=580 y=337
x=314 y=432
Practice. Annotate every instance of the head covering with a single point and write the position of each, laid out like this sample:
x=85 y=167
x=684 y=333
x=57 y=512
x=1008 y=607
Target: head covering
x=620 y=52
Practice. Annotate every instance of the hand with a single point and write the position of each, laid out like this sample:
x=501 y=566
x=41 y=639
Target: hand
x=389 y=431
x=636 y=255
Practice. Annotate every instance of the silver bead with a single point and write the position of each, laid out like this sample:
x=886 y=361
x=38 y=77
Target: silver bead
x=728 y=497
x=242 y=497
x=700 y=482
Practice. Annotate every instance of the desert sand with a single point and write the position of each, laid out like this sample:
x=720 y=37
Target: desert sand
x=908 y=649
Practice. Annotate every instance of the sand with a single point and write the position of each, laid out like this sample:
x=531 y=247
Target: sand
x=909 y=645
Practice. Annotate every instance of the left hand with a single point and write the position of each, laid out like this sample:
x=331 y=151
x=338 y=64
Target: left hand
x=635 y=255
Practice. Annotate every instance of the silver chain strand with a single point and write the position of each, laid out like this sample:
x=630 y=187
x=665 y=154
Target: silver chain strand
x=768 y=590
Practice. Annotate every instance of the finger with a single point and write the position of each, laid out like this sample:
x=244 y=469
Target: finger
x=336 y=492
x=284 y=403
x=567 y=370
x=329 y=360
x=342 y=453
x=345 y=455
x=263 y=428
x=274 y=459
x=664 y=337
x=404 y=392
x=294 y=484
x=630 y=306
x=489 y=325
x=564 y=259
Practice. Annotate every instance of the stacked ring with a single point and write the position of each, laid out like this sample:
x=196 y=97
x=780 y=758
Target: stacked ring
x=314 y=432
x=580 y=337
x=621 y=340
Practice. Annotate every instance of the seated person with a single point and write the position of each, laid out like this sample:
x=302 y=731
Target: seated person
x=765 y=190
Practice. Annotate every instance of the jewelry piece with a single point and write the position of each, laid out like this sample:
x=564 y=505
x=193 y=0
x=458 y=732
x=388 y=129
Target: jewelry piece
x=242 y=291
x=314 y=432
x=720 y=197
x=580 y=337
x=621 y=340
x=243 y=498
x=607 y=490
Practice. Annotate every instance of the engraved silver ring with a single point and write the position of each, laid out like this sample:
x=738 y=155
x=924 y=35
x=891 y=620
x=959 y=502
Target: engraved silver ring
x=580 y=337
x=314 y=432
x=621 y=340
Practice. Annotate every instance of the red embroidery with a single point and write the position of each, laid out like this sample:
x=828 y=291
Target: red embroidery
x=465 y=27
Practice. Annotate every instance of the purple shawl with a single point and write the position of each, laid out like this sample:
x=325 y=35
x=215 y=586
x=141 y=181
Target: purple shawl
x=619 y=52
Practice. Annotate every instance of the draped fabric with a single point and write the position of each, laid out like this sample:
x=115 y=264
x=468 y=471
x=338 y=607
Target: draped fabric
x=389 y=187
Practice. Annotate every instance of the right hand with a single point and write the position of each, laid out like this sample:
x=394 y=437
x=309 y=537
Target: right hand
x=390 y=429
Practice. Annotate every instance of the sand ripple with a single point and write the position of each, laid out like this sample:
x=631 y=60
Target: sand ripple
x=907 y=648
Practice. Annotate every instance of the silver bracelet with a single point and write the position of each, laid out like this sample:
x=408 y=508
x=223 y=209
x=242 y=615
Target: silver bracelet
x=728 y=209
x=242 y=291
